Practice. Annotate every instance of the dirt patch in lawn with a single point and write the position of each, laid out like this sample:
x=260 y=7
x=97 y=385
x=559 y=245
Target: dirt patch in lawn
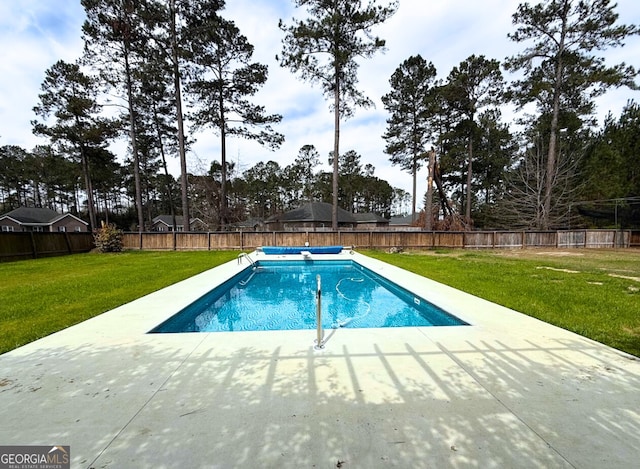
x=559 y=270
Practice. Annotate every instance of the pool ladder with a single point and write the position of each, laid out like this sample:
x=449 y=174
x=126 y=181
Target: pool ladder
x=253 y=267
x=319 y=342
x=245 y=255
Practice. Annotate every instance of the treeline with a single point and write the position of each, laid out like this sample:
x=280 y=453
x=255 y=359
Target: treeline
x=43 y=178
x=153 y=68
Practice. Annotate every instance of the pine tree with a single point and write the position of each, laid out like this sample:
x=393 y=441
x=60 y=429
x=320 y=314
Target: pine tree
x=225 y=79
x=409 y=129
x=562 y=71
x=475 y=84
x=69 y=96
x=340 y=31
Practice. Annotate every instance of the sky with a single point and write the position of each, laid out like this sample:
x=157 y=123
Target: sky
x=34 y=34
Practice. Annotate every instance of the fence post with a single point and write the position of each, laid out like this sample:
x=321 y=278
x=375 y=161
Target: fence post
x=68 y=241
x=34 y=251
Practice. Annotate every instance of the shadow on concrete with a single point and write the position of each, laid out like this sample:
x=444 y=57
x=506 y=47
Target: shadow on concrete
x=202 y=400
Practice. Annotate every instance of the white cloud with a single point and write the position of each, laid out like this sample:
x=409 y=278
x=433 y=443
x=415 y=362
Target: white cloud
x=34 y=34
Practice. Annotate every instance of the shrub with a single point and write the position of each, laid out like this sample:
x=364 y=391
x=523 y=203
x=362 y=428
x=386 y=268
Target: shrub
x=108 y=238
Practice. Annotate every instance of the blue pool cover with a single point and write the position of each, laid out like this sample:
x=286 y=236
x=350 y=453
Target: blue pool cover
x=299 y=249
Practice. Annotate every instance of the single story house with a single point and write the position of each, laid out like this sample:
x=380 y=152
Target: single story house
x=310 y=216
x=165 y=223
x=400 y=221
x=251 y=224
x=370 y=221
x=42 y=220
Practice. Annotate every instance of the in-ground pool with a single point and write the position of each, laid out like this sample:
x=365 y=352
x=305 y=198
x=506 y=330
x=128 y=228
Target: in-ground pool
x=281 y=295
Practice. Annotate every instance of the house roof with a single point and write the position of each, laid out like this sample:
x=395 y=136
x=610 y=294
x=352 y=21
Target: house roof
x=37 y=216
x=249 y=223
x=369 y=218
x=167 y=220
x=407 y=220
x=319 y=212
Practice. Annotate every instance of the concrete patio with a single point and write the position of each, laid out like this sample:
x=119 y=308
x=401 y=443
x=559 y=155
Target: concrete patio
x=507 y=391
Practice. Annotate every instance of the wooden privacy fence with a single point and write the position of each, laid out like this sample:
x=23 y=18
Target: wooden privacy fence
x=30 y=245
x=381 y=239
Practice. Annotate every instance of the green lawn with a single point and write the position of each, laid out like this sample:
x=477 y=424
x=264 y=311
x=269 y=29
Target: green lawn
x=595 y=293
x=41 y=296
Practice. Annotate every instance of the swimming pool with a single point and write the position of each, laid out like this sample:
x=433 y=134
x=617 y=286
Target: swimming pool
x=280 y=295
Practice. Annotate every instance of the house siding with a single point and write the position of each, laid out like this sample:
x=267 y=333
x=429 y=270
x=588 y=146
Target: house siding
x=8 y=222
x=70 y=225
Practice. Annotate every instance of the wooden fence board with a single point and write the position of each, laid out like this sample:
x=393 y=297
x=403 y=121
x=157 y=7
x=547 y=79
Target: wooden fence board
x=478 y=239
x=446 y=239
x=571 y=239
x=226 y=240
x=157 y=241
x=510 y=240
x=16 y=245
x=29 y=245
x=355 y=238
x=80 y=242
x=540 y=239
x=192 y=241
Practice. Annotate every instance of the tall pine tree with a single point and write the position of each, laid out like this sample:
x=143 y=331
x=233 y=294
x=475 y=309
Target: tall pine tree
x=338 y=31
x=561 y=63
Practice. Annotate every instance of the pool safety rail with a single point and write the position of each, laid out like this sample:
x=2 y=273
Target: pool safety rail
x=319 y=342
x=244 y=255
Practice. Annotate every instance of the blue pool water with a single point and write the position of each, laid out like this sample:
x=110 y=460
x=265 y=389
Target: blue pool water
x=280 y=295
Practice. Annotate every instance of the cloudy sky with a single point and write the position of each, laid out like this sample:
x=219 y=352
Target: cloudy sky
x=34 y=34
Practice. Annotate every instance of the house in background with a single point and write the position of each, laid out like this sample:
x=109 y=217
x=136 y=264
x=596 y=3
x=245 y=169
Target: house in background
x=251 y=224
x=42 y=220
x=405 y=223
x=310 y=216
x=165 y=223
x=370 y=221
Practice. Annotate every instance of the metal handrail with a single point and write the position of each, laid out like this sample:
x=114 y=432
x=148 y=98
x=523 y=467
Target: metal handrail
x=319 y=344
x=244 y=283
x=244 y=254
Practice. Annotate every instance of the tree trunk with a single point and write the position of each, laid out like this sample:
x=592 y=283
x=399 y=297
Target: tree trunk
x=134 y=143
x=89 y=187
x=469 y=179
x=166 y=170
x=414 y=173
x=223 y=159
x=553 y=131
x=336 y=153
x=429 y=203
x=184 y=181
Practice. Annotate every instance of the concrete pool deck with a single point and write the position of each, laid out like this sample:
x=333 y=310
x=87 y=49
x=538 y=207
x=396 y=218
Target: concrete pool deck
x=507 y=391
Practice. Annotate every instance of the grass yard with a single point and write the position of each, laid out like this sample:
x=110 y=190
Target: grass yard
x=42 y=296
x=595 y=293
